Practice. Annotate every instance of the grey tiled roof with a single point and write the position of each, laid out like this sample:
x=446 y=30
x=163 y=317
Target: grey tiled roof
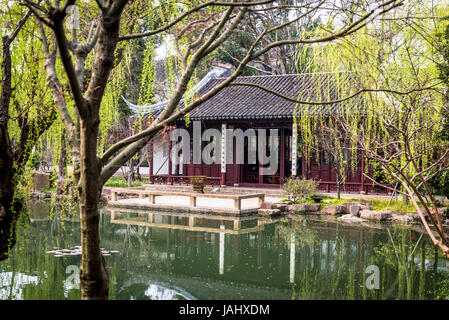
x=247 y=102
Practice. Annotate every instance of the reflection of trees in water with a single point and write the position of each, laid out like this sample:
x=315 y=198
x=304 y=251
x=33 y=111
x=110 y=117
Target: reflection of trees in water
x=328 y=265
x=297 y=232
x=39 y=232
x=333 y=267
x=137 y=256
x=405 y=258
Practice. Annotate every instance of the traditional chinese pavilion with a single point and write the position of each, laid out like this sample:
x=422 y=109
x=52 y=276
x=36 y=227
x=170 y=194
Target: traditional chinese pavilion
x=244 y=107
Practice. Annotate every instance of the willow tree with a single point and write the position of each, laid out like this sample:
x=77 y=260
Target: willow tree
x=391 y=66
x=26 y=112
x=207 y=24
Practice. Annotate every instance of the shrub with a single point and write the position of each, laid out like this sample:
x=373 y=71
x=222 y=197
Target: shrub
x=440 y=183
x=294 y=190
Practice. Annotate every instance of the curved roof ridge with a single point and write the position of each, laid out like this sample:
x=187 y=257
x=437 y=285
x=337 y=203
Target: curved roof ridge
x=290 y=74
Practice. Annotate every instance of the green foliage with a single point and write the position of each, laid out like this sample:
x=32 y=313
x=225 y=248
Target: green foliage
x=443 y=67
x=395 y=205
x=330 y=201
x=380 y=175
x=33 y=162
x=294 y=190
x=389 y=57
x=233 y=50
x=120 y=182
x=440 y=183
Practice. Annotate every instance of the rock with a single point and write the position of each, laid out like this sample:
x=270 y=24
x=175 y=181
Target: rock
x=266 y=205
x=440 y=211
x=354 y=209
x=281 y=206
x=402 y=218
x=349 y=204
x=334 y=210
x=362 y=205
x=268 y=212
x=366 y=206
x=350 y=217
x=376 y=215
x=312 y=207
x=301 y=207
x=304 y=207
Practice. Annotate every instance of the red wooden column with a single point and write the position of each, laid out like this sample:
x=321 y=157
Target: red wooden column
x=223 y=155
x=294 y=150
x=237 y=167
x=260 y=163
x=150 y=156
x=169 y=179
x=282 y=157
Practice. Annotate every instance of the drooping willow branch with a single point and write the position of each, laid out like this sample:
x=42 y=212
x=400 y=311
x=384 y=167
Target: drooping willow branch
x=353 y=27
x=191 y=11
x=336 y=100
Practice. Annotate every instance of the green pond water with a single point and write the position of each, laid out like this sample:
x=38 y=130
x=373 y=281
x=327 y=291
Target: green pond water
x=174 y=256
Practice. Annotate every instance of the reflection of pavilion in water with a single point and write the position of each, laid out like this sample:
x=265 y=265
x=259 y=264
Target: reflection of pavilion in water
x=196 y=244
x=191 y=222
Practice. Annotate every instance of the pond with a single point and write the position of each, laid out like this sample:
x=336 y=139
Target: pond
x=177 y=256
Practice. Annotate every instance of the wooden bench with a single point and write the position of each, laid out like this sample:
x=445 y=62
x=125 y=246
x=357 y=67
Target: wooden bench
x=141 y=192
x=194 y=195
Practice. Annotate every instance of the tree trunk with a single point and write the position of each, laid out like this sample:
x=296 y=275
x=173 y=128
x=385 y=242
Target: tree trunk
x=62 y=164
x=93 y=273
x=8 y=216
x=338 y=187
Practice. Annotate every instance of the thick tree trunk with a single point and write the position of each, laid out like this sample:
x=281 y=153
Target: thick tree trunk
x=8 y=216
x=13 y=157
x=93 y=273
x=7 y=219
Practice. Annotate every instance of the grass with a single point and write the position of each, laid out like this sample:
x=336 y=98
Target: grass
x=330 y=201
x=120 y=182
x=398 y=206
x=299 y=201
x=378 y=205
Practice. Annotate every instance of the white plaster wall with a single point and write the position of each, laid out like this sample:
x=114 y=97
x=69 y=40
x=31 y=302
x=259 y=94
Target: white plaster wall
x=160 y=153
x=159 y=167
